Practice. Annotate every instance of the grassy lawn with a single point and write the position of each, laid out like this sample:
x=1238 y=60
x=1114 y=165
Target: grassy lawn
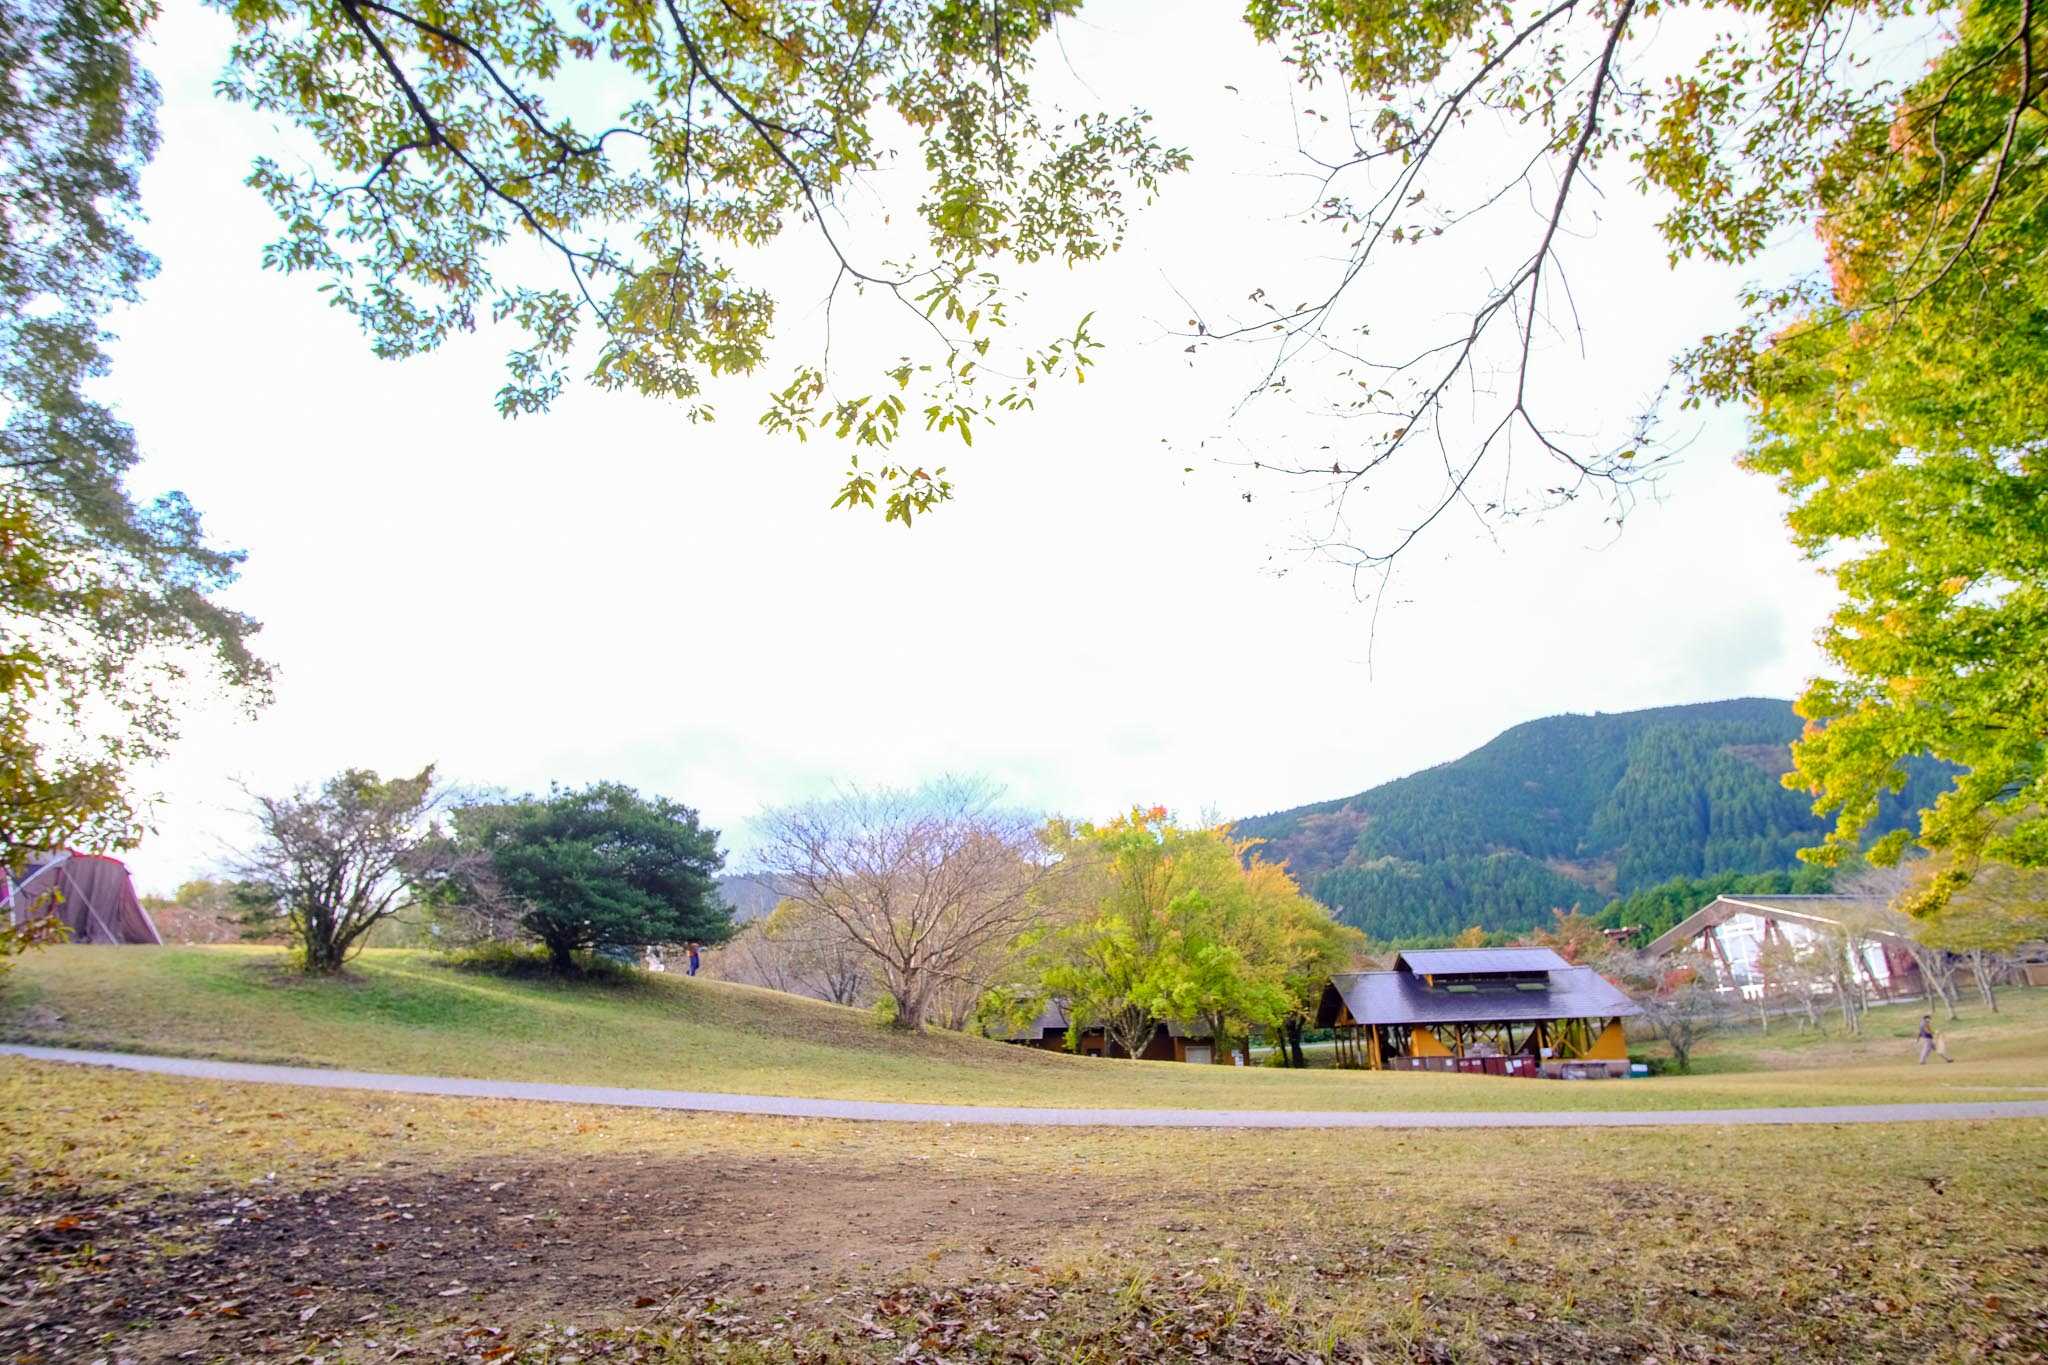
x=152 y=1218
x=409 y=1011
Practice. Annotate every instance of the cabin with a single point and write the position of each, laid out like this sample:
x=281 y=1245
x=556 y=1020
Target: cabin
x=1733 y=932
x=1171 y=1041
x=1495 y=1011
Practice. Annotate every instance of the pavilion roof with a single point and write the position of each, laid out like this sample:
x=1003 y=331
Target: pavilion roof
x=1478 y=961
x=1401 y=997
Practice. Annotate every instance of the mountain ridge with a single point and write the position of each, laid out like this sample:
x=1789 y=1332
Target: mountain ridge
x=1562 y=811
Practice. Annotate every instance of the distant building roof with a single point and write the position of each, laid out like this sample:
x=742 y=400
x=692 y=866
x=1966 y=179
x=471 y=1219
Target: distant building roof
x=1478 y=961
x=1053 y=1018
x=1401 y=997
x=1811 y=911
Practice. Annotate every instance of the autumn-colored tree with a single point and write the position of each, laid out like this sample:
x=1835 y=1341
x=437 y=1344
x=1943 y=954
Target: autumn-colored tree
x=1163 y=922
x=1899 y=411
x=2001 y=909
x=1573 y=936
x=1677 y=997
x=1103 y=955
x=1306 y=945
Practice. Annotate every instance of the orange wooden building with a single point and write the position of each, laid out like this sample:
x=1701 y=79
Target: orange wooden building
x=1501 y=1011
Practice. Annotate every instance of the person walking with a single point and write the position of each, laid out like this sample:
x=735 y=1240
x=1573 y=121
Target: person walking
x=695 y=961
x=1930 y=1041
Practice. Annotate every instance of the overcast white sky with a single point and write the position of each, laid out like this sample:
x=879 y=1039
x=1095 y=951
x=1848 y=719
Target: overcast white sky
x=607 y=592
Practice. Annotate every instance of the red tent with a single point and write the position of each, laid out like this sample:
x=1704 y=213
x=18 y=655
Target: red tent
x=90 y=893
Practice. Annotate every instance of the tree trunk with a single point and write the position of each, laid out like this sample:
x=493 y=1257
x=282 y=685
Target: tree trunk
x=1983 y=975
x=913 y=1001
x=1293 y=1054
x=1131 y=1030
x=562 y=955
x=1946 y=989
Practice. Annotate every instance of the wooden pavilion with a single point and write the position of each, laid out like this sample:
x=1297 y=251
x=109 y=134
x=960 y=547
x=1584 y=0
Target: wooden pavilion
x=1500 y=1011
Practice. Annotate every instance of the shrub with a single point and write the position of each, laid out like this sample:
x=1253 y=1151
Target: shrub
x=527 y=962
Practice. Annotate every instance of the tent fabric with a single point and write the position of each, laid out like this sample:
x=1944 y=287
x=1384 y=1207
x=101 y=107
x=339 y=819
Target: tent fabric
x=91 y=894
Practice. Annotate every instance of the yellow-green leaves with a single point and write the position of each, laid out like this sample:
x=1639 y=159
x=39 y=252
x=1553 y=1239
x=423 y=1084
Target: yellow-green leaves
x=1902 y=418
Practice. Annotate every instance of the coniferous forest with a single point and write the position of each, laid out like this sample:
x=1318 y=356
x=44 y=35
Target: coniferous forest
x=1570 y=811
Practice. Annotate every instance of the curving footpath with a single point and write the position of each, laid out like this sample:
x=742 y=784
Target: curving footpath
x=780 y=1106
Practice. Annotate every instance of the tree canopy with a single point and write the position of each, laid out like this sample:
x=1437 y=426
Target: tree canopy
x=332 y=863
x=1900 y=412
x=1157 y=922
x=701 y=131
x=594 y=866
x=106 y=601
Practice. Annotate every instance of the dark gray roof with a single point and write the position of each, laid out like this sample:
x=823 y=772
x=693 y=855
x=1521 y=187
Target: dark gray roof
x=1053 y=1018
x=1398 y=997
x=1478 y=961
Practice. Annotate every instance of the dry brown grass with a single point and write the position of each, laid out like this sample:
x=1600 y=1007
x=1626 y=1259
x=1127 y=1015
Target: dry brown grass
x=687 y=1237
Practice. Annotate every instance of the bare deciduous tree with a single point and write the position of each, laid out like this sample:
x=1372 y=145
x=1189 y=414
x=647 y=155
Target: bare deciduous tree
x=1885 y=888
x=923 y=882
x=332 y=863
x=797 y=950
x=1676 y=995
x=2002 y=908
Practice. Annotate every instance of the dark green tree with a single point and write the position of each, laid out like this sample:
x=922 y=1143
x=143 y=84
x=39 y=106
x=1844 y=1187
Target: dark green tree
x=597 y=865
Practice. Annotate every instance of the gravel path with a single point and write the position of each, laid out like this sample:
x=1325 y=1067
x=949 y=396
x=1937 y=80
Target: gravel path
x=787 y=1107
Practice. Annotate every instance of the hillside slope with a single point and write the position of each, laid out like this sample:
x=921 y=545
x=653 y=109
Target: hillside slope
x=1568 y=810
x=403 y=1010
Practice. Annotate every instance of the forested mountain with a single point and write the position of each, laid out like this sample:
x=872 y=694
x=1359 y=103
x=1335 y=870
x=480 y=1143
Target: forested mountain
x=750 y=897
x=1569 y=810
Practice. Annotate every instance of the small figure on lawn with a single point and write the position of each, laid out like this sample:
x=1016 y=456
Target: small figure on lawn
x=695 y=960
x=1930 y=1041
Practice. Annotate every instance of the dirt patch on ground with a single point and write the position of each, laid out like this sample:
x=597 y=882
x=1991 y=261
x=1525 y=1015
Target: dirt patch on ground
x=809 y=1247
x=266 y=1271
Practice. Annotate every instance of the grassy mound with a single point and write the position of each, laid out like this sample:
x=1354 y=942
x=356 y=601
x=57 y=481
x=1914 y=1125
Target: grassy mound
x=410 y=1011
